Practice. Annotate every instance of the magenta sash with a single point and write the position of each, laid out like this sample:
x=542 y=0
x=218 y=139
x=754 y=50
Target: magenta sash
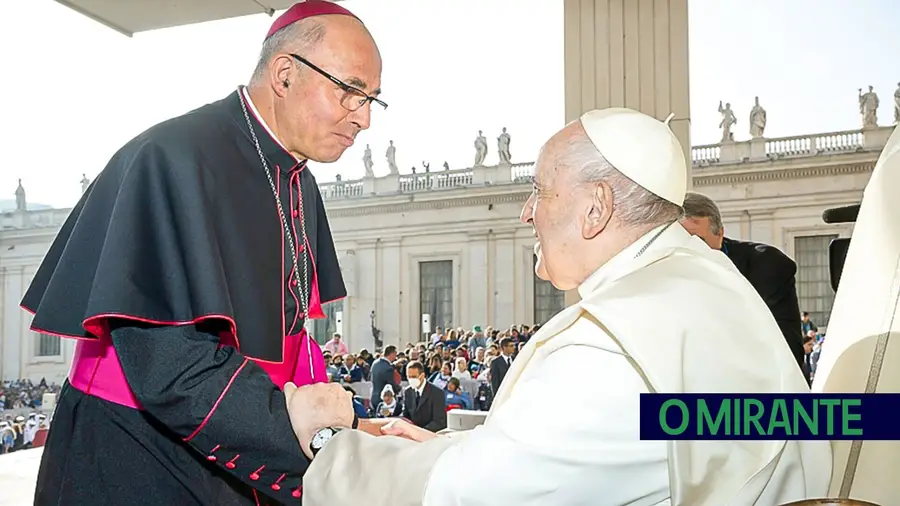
x=96 y=369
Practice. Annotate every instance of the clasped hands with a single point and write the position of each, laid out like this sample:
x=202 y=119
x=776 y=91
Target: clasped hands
x=322 y=405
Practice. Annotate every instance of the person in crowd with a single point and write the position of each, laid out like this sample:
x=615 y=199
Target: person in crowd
x=384 y=374
x=434 y=366
x=441 y=377
x=477 y=340
x=388 y=406
x=477 y=363
x=456 y=397
x=806 y=324
x=423 y=402
x=336 y=345
x=608 y=190
x=452 y=341
x=461 y=371
x=359 y=371
x=768 y=269
x=341 y=373
x=7 y=437
x=809 y=342
x=501 y=365
x=189 y=294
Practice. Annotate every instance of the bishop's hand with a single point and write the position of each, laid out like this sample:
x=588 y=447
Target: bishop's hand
x=315 y=407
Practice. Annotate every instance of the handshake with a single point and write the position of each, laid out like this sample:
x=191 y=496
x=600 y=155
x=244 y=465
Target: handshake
x=327 y=405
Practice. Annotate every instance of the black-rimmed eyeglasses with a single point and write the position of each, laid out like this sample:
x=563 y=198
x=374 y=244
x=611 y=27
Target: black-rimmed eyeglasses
x=354 y=98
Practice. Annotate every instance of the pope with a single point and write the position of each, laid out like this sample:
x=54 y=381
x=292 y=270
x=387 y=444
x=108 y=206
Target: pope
x=657 y=309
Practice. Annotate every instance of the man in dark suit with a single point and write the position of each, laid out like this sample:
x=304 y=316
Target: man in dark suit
x=770 y=271
x=383 y=373
x=500 y=365
x=423 y=402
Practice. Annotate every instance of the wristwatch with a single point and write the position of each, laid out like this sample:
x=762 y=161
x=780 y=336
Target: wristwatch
x=325 y=435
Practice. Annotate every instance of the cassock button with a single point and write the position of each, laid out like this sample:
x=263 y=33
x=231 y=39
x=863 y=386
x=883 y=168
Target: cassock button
x=297 y=492
x=293 y=282
x=295 y=213
x=276 y=487
x=254 y=476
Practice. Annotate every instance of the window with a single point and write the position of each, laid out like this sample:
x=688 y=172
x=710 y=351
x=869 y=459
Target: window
x=548 y=300
x=436 y=292
x=813 y=277
x=48 y=346
x=324 y=328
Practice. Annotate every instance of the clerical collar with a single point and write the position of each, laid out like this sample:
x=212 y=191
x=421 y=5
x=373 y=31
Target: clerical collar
x=262 y=121
x=662 y=235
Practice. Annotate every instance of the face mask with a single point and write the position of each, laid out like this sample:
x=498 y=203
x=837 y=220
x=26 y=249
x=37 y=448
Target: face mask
x=415 y=383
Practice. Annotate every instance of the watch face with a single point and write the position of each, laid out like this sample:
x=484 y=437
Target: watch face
x=321 y=437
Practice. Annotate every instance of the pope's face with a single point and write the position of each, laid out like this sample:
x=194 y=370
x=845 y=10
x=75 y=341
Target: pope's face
x=551 y=210
x=320 y=125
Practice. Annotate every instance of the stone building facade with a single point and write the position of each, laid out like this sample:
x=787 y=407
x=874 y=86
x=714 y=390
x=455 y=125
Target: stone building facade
x=449 y=243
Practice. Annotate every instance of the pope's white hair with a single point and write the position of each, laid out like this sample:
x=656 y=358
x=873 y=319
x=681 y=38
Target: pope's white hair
x=633 y=205
x=296 y=38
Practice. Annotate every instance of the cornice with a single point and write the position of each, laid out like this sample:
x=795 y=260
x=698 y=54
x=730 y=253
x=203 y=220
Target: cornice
x=780 y=174
x=514 y=197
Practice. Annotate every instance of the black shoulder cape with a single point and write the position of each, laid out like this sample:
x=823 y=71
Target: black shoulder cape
x=181 y=227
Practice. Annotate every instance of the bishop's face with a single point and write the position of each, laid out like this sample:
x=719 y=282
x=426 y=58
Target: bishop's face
x=318 y=112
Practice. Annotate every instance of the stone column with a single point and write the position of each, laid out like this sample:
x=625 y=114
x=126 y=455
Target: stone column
x=362 y=299
x=628 y=53
x=476 y=299
x=390 y=299
x=762 y=227
x=504 y=279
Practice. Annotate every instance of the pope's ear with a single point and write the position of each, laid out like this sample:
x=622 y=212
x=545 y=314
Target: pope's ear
x=599 y=210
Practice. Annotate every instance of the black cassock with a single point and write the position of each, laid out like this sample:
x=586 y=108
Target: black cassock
x=177 y=243
x=772 y=274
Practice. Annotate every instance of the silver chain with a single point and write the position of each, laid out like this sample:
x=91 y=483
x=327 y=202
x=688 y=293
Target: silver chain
x=653 y=239
x=302 y=283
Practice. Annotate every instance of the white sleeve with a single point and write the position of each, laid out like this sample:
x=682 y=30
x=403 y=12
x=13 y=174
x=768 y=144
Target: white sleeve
x=568 y=434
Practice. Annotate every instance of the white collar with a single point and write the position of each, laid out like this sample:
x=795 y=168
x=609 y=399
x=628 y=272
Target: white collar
x=255 y=111
x=674 y=233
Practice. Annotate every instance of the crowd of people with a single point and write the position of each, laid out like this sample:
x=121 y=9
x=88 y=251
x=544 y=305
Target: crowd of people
x=462 y=367
x=17 y=431
x=24 y=394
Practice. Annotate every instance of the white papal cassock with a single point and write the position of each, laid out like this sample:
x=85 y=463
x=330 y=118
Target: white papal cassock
x=564 y=428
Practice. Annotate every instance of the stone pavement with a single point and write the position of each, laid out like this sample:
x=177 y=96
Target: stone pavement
x=18 y=474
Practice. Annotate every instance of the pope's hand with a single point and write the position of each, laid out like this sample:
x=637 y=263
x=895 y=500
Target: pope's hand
x=401 y=428
x=372 y=426
x=315 y=407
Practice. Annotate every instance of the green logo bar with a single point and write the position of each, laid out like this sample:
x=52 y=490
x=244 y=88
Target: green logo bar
x=750 y=417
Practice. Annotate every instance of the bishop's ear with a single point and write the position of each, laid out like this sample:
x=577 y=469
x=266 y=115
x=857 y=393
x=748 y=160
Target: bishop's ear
x=599 y=210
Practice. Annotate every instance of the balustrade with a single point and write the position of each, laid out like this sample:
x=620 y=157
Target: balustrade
x=701 y=156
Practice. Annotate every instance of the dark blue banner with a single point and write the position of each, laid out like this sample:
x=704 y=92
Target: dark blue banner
x=770 y=416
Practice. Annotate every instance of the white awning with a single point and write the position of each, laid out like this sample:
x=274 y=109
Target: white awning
x=134 y=16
